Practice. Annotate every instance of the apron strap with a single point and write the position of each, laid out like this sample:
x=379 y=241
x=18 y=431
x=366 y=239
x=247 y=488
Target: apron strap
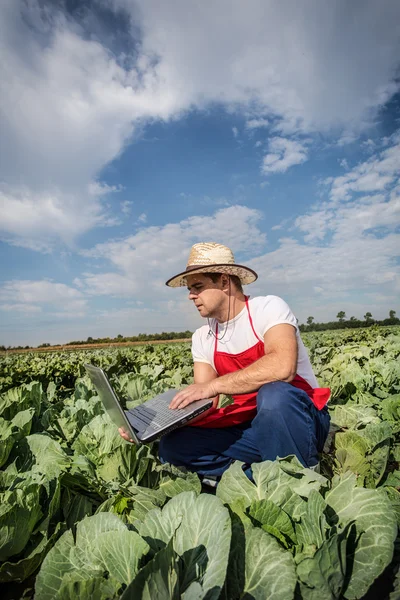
x=251 y=320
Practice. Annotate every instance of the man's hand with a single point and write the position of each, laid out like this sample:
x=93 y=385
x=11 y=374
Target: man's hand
x=197 y=391
x=123 y=434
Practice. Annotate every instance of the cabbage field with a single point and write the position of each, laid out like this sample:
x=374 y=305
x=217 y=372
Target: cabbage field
x=85 y=515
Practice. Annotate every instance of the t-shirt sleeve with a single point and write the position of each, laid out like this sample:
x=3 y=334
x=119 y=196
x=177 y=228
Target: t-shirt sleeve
x=274 y=311
x=198 y=352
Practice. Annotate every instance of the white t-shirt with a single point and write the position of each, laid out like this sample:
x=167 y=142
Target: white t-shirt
x=265 y=311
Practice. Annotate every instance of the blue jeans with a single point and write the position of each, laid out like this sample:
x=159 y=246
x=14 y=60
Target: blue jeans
x=287 y=422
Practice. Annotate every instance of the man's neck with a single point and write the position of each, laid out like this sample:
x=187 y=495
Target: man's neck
x=234 y=306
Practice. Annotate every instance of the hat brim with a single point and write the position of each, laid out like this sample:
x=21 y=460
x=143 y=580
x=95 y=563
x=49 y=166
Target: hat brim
x=245 y=274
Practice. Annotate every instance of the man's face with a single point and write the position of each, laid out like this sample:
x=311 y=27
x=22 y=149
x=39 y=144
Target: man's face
x=207 y=296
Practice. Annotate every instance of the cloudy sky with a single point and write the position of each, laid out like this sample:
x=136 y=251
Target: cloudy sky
x=131 y=129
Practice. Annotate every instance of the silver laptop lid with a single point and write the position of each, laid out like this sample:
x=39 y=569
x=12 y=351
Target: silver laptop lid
x=110 y=400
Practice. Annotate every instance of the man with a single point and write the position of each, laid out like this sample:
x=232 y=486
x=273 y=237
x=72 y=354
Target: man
x=251 y=349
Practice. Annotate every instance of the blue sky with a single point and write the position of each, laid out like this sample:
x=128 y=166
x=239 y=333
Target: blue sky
x=133 y=129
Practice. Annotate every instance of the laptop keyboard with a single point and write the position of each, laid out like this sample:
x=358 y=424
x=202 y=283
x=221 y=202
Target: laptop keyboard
x=156 y=420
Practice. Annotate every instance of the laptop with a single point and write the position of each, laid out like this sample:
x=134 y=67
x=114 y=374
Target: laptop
x=152 y=419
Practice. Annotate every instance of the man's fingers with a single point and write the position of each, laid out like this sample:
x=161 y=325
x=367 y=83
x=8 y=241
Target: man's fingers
x=185 y=403
x=176 y=401
x=124 y=435
x=187 y=396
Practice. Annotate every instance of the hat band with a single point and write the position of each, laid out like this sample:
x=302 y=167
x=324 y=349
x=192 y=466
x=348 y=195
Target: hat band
x=193 y=267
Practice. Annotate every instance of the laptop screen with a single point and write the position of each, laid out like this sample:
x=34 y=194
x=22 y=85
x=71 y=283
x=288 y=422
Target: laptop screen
x=109 y=399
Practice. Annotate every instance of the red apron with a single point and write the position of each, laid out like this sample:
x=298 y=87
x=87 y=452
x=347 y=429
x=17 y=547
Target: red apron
x=244 y=407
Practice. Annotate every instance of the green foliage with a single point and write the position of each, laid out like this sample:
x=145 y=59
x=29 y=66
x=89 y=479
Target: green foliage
x=87 y=515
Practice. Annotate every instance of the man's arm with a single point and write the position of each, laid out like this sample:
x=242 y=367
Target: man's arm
x=204 y=373
x=278 y=364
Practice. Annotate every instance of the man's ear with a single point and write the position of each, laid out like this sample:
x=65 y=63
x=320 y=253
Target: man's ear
x=225 y=282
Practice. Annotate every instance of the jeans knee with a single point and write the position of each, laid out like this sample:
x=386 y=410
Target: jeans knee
x=274 y=396
x=167 y=449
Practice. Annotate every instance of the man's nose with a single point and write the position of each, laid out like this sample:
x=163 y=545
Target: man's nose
x=192 y=295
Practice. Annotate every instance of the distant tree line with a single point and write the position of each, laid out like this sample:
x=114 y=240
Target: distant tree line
x=341 y=323
x=351 y=323
x=142 y=337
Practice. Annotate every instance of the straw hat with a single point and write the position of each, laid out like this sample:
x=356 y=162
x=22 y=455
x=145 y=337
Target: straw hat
x=209 y=257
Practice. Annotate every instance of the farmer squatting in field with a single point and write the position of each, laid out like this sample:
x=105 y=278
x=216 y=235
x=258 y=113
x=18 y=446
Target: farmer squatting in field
x=250 y=349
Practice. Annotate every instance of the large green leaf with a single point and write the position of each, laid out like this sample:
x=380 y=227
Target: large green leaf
x=273 y=519
x=269 y=570
x=394 y=497
x=175 y=480
x=312 y=527
x=235 y=577
x=364 y=452
x=375 y=530
x=351 y=453
x=378 y=438
x=285 y=482
x=11 y=431
x=98 y=439
x=390 y=409
x=353 y=416
x=203 y=540
x=29 y=395
x=159 y=526
x=145 y=499
x=159 y=579
x=306 y=480
x=23 y=421
x=48 y=455
x=7 y=440
x=75 y=507
x=96 y=587
x=322 y=575
x=137 y=388
x=103 y=545
x=24 y=567
x=20 y=510
x=119 y=554
x=201 y=529
x=236 y=486
x=134 y=502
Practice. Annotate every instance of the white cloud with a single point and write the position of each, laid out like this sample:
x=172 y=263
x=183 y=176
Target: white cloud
x=147 y=259
x=283 y=154
x=350 y=247
x=348 y=137
x=373 y=175
x=235 y=132
x=257 y=123
x=350 y=216
x=368 y=145
x=32 y=296
x=22 y=308
x=292 y=69
x=71 y=105
x=38 y=219
x=173 y=315
x=126 y=207
x=111 y=284
x=344 y=266
x=315 y=225
x=69 y=110
x=99 y=188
